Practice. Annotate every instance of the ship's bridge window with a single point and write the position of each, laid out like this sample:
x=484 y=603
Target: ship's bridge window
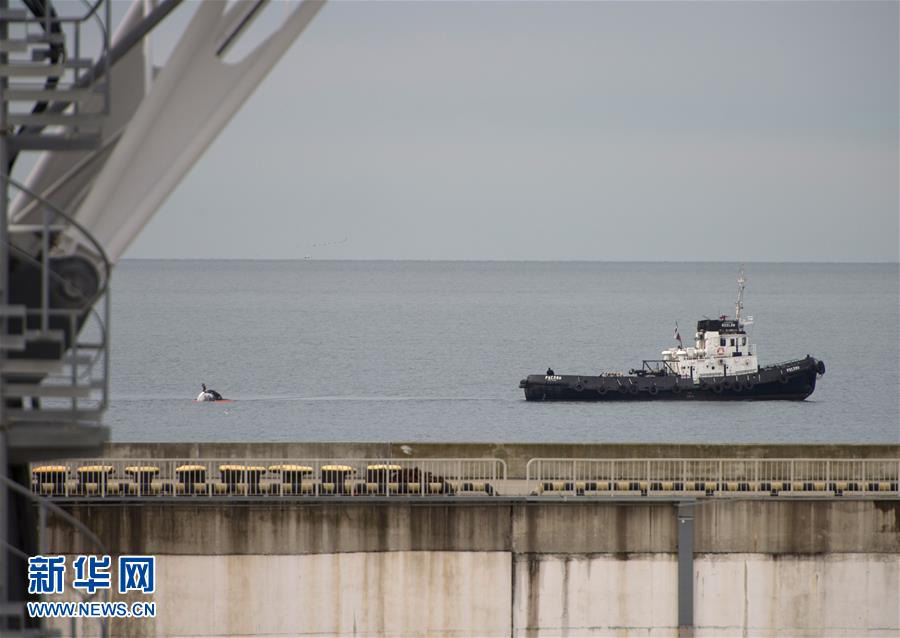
x=732 y=342
x=743 y=341
x=722 y=341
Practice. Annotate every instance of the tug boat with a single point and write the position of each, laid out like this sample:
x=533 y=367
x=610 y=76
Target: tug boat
x=721 y=366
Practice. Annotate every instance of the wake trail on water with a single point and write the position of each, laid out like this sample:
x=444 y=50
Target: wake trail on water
x=274 y=399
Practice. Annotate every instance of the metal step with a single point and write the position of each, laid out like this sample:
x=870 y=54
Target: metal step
x=14 y=45
x=44 y=37
x=45 y=440
x=31 y=69
x=30 y=366
x=14 y=343
x=15 y=611
x=43 y=366
x=13 y=318
x=14 y=15
x=54 y=119
x=83 y=391
x=53 y=415
x=28 y=142
x=42 y=632
x=35 y=228
x=42 y=55
x=12 y=610
x=45 y=335
x=22 y=94
x=12 y=311
x=18 y=342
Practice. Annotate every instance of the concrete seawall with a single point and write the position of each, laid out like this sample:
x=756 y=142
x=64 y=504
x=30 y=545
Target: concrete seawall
x=507 y=567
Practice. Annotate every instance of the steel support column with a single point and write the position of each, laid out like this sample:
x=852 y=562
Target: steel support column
x=4 y=297
x=685 y=569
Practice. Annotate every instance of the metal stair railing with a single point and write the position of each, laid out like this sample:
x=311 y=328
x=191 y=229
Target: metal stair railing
x=44 y=506
x=57 y=81
x=51 y=232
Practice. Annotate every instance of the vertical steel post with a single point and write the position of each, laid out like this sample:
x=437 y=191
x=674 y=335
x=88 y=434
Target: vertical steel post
x=685 y=569
x=42 y=530
x=4 y=299
x=45 y=272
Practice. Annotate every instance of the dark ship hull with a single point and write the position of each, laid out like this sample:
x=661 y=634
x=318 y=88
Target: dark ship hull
x=792 y=381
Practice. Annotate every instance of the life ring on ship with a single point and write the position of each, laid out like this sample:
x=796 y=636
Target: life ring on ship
x=632 y=387
x=579 y=387
x=653 y=390
x=601 y=390
x=717 y=388
x=676 y=389
x=720 y=351
x=748 y=384
x=728 y=384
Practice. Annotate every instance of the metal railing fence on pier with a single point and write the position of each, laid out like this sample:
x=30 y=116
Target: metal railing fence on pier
x=128 y=479
x=265 y=478
x=714 y=476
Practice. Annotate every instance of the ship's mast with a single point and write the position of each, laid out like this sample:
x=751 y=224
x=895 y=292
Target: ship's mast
x=739 y=304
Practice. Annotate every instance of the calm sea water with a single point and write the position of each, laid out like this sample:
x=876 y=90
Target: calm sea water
x=434 y=351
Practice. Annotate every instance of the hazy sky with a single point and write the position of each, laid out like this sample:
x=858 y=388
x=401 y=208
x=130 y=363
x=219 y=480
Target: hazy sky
x=597 y=131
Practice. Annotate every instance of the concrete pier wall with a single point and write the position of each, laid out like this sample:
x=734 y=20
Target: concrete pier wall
x=506 y=567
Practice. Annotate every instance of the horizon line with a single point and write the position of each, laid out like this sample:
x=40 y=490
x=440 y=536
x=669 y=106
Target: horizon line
x=551 y=261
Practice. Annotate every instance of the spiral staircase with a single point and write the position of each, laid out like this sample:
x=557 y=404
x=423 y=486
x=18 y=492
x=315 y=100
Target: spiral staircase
x=54 y=276
x=115 y=136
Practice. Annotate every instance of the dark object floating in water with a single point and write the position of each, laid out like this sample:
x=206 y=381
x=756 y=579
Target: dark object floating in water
x=209 y=395
x=721 y=366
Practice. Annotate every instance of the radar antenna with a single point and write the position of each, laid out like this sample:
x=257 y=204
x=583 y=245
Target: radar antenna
x=739 y=304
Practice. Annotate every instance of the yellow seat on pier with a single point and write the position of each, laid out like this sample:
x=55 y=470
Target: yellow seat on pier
x=479 y=487
x=217 y=487
x=162 y=486
x=777 y=486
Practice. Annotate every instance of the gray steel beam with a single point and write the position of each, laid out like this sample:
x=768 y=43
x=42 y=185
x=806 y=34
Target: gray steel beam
x=685 y=569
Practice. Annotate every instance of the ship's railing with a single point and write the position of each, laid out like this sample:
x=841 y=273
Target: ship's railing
x=266 y=478
x=781 y=364
x=661 y=365
x=713 y=476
